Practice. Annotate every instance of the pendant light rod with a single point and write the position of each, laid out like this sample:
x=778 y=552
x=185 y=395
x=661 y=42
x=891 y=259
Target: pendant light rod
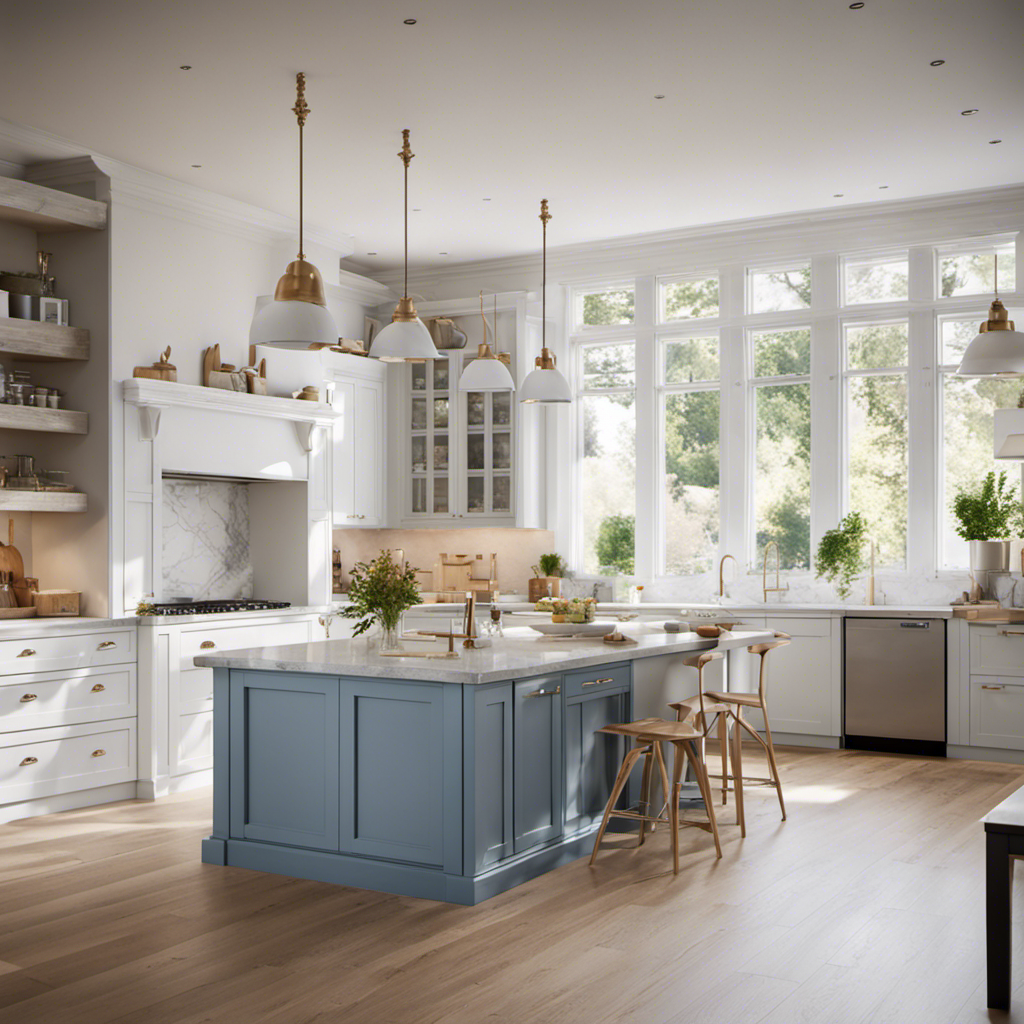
x=406 y=154
x=484 y=318
x=301 y=112
x=544 y=218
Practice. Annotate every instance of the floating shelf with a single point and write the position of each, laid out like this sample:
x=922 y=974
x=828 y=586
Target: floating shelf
x=39 y=342
x=13 y=500
x=48 y=209
x=53 y=421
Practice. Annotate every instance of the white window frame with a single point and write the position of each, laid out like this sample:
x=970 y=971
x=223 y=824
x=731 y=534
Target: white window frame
x=876 y=256
x=666 y=280
x=990 y=244
x=775 y=267
x=576 y=294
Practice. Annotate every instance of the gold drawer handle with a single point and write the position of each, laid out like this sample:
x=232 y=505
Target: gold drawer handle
x=28 y=760
x=28 y=698
x=99 y=753
x=207 y=645
x=984 y=687
x=546 y=693
x=98 y=688
x=106 y=645
x=27 y=653
x=598 y=682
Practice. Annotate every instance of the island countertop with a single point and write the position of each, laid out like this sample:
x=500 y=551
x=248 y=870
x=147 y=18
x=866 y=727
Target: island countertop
x=521 y=654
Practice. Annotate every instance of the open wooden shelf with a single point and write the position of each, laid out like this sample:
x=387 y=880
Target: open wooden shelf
x=53 y=421
x=40 y=342
x=48 y=209
x=13 y=500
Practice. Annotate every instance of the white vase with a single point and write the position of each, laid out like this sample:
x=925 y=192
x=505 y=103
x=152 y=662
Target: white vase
x=1016 y=554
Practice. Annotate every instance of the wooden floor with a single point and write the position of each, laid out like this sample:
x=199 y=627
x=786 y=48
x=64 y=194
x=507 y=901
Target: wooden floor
x=867 y=905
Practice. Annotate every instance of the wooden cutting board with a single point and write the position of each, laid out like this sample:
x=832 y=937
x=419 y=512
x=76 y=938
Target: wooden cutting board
x=10 y=556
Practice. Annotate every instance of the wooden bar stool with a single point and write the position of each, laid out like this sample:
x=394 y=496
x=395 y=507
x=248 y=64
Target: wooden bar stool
x=736 y=703
x=703 y=710
x=649 y=734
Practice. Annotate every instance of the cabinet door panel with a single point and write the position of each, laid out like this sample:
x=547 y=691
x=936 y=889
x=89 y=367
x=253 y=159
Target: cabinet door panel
x=592 y=759
x=537 y=762
x=343 y=475
x=369 y=452
x=997 y=712
x=488 y=778
x=284 y=777
x=799 y=690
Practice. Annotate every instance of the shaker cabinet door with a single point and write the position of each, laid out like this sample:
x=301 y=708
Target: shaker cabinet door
x=368 y=454
x=487 y=782
x=537 y=762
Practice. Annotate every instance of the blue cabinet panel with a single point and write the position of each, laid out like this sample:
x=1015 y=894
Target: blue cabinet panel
x=537 y=761
x=284 y=759
x=488 y=775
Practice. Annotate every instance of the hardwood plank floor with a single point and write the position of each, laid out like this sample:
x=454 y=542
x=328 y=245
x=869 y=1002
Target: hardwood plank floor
x=866 y=905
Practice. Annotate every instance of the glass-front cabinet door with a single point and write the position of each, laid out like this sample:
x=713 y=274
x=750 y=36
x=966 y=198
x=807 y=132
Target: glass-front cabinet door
x=487 y=475
x=431 y=423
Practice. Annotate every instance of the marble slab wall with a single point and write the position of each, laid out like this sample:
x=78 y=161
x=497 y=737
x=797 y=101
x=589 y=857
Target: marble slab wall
x=206 y=540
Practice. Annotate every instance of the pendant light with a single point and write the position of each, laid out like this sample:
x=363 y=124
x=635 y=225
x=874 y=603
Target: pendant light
x=545 y=383
x=997 y=350
x=406 y=337
x=487 y=372
x=298 y=312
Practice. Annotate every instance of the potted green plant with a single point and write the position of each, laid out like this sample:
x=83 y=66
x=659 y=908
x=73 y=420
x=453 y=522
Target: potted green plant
x=547 y=577
x=840 y=554
x=983 y=515
x=380 y=592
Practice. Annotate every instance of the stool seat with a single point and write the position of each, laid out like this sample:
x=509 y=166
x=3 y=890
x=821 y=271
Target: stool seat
x=747 y=700
x=649 y=730
x=692 y=706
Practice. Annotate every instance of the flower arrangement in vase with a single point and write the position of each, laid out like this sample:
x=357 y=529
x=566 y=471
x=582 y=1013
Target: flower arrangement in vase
x=379 y=593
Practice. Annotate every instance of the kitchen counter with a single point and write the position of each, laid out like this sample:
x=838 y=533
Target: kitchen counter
x=728 y=610
x=233 y=618
x=35 y=626
x=522 y=653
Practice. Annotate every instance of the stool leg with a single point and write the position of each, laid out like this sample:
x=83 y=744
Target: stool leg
x=628 y=761
x=705 y=788
x=673 y=804
x=645 y=796
x=723 y=743
x=737 y=771
x=660 y=758
x=771 y=761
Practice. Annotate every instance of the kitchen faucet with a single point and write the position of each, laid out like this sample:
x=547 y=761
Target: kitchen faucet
x=721 y=573
x=777 y=589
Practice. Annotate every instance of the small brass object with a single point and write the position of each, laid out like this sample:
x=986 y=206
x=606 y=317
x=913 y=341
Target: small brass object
x=27 y=653
x=28 y=760
x=98 y=688
x=99 y=753
x=207 y=645
x=28 y=698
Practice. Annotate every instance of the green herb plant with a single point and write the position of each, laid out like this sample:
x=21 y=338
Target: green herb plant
x=839 y=556
x=985 y=512
x=380 y=591
x=550 y=565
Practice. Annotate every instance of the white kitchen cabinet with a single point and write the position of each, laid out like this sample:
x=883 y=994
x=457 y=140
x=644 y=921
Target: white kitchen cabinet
x=997 y=712
x=359 y=448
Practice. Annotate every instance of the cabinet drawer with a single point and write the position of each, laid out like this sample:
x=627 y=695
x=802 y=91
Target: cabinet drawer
x=232 y=638
x=997 y=712
x=995 y=653
x=45 y=762
x=194 y=743
x=76 y=650
x=819 y=626
x=66 y=698
x=601 y=677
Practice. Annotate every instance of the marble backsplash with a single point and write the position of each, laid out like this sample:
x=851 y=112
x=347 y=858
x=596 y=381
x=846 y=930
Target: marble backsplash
x=206 y=540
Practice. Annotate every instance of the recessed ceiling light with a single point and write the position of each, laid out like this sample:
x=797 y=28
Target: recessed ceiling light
x=197 y=165
x=442 y=254
x=417 y=209
x=837 y=195
x=659 y=96
x=409 y=21
x=994 y=142
x=371 y=254
x=487 y=199
x=184 y=67
x=883 y=186
x=937 y=63
x=856 y=7
x=967 y=113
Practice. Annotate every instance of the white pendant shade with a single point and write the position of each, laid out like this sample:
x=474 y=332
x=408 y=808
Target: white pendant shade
x=1012 y=447
x=292 y=321
x=402 y=340
x=543 y=385
x=486 y=375
x=994 y=354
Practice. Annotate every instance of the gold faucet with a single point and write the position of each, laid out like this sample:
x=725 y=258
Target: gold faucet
x=777 y=589
x=721 y=574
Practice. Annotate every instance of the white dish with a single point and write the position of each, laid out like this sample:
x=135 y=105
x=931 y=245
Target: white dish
x=574 y=628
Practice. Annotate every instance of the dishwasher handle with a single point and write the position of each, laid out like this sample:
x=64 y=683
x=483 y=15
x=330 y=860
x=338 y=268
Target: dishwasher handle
x=915 y=625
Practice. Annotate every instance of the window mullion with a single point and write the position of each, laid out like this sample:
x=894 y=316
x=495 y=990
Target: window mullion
x=923 y=444
x=648 y=512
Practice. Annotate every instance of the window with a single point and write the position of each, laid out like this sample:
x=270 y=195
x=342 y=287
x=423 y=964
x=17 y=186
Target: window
x=875 y=279
x=876 y=433
x=973 y=271
x=967 y=407
x=606 y=307
x=781 y=391
x=690 y=428
x=780 y=288
x=682 y=298
x=607 y=457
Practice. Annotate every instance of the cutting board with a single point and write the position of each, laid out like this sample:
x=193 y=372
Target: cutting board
x=10 y=556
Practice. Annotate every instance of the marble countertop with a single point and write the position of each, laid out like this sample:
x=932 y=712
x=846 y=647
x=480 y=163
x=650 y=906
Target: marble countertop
x=35 y=625
x=520 y=655
x=727 y=610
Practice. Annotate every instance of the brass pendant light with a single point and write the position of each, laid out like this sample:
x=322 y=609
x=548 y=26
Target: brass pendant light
x=299 y=310
x=488 y=371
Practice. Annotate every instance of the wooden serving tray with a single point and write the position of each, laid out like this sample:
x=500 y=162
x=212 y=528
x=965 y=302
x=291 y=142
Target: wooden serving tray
x=17 y=613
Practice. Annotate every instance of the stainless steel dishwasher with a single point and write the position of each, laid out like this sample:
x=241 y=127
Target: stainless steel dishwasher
x=894 y=685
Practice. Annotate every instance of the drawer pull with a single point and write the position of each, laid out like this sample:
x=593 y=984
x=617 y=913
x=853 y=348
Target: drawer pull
x=207 y=645
x=546 y=693
x=98 y=688
x=106 y=645
x=27 y=653
x=99 y=753
x=28 y=698
x=986 y=687
x=598 y=682
x=28 y=760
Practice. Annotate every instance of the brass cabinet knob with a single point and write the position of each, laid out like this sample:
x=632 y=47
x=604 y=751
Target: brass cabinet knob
x=27 y=698
x=28 y=760
x=106 y=645
x=99 y=753
x=27 y=653
x=207 y=645
x=98 y=688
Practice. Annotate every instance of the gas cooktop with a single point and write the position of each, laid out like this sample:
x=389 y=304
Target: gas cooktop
x=241 y=604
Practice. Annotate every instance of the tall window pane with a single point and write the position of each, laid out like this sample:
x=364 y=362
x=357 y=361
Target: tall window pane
x=974 y=273
x=691 y=359
x=609 y=366
x=779 y=289
x=782 y=353
x=691 y=481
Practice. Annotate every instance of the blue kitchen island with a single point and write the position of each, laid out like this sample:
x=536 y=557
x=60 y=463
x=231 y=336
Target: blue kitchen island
x=451 y=780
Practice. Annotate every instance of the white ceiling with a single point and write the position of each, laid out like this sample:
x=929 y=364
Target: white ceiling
x=769 y=107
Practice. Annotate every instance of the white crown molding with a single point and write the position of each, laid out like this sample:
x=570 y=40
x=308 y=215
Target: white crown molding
x=363 y=291
x=865 y=226
x=507 y=301
x=68 y=163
